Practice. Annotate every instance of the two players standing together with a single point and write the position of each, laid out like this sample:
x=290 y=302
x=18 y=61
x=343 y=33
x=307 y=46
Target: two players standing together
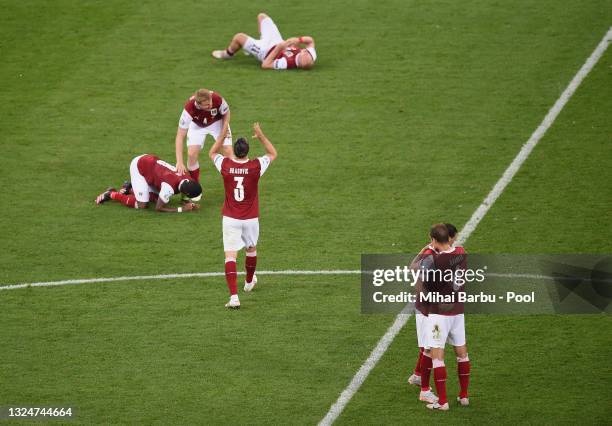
x=207 y=113
x=438 y=323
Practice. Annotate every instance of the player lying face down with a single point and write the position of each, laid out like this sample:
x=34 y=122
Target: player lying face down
x=152 y=179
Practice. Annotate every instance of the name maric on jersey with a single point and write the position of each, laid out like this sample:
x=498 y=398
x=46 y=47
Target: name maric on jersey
x=235 y=171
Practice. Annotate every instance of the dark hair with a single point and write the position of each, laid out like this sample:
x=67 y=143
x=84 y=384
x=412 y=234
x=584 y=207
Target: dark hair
x=439 y=232
x=452 y=230
x=241 y=148
x=190 y=188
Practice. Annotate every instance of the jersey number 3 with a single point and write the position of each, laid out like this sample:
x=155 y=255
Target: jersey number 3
x=239 y=190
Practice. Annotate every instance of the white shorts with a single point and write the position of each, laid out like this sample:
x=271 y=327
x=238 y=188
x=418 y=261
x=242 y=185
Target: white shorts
x=140 y=187
x=196 y=134
x=420 y=329
x=238 y=233
x=270 y=36
x=442 y=328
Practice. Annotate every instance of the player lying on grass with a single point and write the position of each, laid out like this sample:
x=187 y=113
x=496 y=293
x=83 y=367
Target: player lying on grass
x=443 y=322
x=271 y=49
x=152 y=179
x=241 y=207
x=204 y=113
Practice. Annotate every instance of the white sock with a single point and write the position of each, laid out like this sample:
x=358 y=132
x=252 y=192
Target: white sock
x=234 y=298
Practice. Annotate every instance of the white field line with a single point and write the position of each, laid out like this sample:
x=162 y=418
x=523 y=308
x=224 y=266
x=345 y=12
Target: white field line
x=221 y=274
x=167 y=277
x=401 y=319
x=549 y=119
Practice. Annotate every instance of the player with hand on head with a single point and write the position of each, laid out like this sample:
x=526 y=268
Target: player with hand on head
x=271 y=49
x=152 y=179
x=241 y=207
x=204 y=113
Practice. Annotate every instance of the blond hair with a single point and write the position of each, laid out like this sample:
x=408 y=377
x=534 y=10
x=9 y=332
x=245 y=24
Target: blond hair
x=202 y=95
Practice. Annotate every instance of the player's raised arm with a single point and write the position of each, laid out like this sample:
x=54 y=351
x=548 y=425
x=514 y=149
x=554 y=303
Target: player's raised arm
x=227 y=149
x=259 y=134
x=214 y=150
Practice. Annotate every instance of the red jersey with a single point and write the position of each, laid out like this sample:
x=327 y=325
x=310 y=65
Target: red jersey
x=440 y=269
x=286 y=59
x=241 y=179
x=203 y=117
x=160 y=175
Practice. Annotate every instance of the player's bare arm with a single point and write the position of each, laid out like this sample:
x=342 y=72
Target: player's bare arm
x=179 y=141
x=268 y=63
x=303 y=41
x=214 y=149
x=307 y=41
x=227 y=149
x=259 y=134
x=188 y=206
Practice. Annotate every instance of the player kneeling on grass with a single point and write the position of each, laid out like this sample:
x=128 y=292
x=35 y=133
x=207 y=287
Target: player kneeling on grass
x=241 y=207
x=271 y=49
x=152 y=179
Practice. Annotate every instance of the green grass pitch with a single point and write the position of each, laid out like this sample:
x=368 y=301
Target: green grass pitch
x=412 y=113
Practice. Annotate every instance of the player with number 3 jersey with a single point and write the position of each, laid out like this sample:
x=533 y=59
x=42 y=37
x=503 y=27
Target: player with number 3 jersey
x=241 y=207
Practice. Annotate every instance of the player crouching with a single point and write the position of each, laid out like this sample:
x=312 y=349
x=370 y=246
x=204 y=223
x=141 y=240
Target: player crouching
x=153 y=179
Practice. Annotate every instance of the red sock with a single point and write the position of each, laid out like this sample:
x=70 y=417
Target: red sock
x=195 y=174
x=463 y=369
x=231 y=275
x=426 y=364
x=440 y=379
x=250 y=264
x=417 y=368
x=229 y=52
x=126 y=200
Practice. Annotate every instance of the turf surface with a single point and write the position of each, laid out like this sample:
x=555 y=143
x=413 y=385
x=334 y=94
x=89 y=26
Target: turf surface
x=410 y=116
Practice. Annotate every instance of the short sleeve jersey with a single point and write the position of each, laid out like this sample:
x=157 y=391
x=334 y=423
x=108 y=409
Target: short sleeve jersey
x=160 y=175
x=203 y=117
x=241 y=181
